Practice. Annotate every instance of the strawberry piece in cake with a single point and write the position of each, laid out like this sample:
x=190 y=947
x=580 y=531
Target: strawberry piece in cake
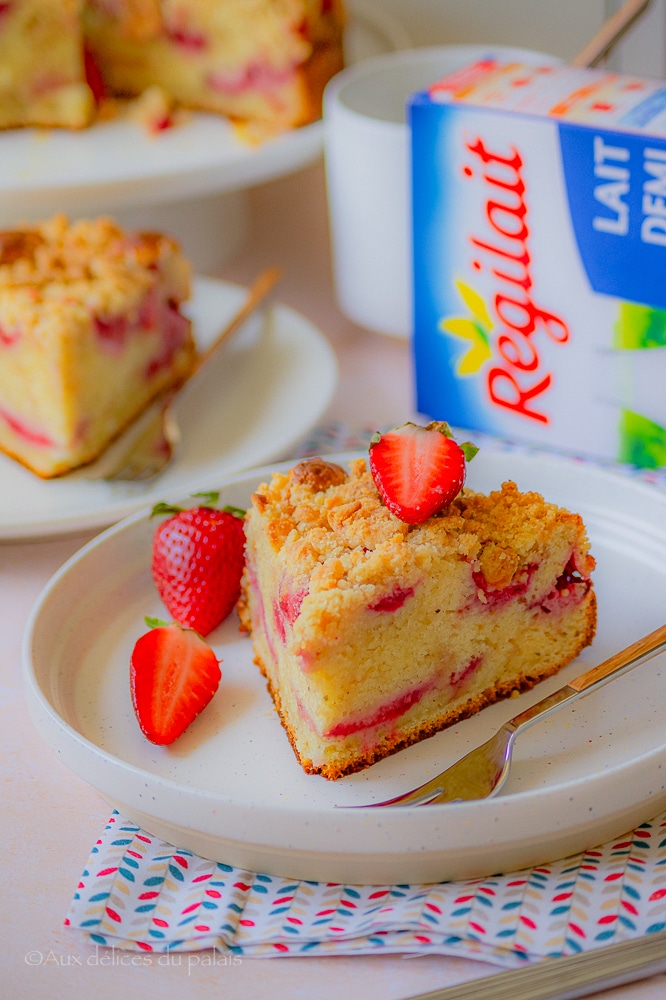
x=42 y=66
x=374 y=633
x=90 y=333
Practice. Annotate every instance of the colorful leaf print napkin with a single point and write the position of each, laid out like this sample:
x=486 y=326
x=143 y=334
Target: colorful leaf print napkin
x=140 y=893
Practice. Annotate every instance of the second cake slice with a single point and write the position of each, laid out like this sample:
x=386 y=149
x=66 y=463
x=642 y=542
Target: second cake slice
x=91 y=331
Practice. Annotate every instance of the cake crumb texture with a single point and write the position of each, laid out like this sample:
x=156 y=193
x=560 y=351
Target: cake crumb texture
x=91 y=330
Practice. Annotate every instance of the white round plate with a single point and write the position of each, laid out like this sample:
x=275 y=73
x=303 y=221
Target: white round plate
x=117 y=164
x=231 y=789
x=264 y=391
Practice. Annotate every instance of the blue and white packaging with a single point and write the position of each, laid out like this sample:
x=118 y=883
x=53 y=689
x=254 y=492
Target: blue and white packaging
x=539 y=242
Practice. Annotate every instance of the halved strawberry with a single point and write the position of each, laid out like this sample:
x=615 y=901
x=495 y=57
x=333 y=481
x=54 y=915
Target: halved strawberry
x=173 y=676
x=418 y=470
x=197 y=563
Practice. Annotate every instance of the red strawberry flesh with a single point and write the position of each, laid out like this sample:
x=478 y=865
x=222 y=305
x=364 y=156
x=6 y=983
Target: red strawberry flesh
x=173 y=676
x=417 y=470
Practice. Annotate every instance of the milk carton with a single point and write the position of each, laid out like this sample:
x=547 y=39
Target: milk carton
x=539 y=240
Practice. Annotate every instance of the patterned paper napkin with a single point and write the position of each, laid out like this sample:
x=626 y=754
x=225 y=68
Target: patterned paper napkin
x=138 y=892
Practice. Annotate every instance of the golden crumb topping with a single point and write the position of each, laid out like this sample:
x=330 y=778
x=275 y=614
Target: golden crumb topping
x=333 y=526
x=56 y=254
x=68 y=271
x=318 y=474
x=18 y=245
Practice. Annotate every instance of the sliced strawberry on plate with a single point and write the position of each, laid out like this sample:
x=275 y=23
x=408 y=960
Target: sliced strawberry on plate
x=418 y=470
x=173 y=676
x=197 y=562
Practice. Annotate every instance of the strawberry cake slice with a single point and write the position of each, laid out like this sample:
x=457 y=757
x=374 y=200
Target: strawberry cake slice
x=42 y=65
x=374 y=633
x=90 y=332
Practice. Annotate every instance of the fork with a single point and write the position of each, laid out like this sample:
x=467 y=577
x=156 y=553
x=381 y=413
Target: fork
x=151 y=446
x=482 y=772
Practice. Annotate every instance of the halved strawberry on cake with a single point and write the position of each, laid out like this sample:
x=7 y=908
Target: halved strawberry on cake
x=91 y=330
x=377 y=627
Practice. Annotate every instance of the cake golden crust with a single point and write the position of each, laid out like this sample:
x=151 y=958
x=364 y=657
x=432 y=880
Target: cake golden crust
x=374 y=634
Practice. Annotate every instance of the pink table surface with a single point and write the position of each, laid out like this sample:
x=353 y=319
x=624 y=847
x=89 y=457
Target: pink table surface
x=49 y=818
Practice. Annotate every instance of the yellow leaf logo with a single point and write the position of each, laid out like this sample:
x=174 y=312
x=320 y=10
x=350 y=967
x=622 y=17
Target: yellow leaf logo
x=473 y=332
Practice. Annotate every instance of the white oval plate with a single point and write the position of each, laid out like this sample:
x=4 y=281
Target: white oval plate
x=231 y=789
x=117 y=164
x=263 y=393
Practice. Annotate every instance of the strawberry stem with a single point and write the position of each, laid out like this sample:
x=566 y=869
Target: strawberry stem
x=165 y=508
x=155 y=622
x=441 y=426
x=236 y=511
x=211 y=498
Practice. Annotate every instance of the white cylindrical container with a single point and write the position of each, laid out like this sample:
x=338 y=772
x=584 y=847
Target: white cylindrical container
x=366 y=145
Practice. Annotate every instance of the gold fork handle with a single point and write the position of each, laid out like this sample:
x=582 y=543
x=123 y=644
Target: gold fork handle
x=617 y=664
x=627 y=659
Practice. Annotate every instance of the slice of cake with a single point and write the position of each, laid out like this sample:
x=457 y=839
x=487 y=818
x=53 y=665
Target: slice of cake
x=42 y=68
x=374 y=633
x=262 y=60
x=90 y=332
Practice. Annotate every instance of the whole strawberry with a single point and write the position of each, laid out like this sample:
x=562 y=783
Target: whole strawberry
x=418 y=470
x=197 y=562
